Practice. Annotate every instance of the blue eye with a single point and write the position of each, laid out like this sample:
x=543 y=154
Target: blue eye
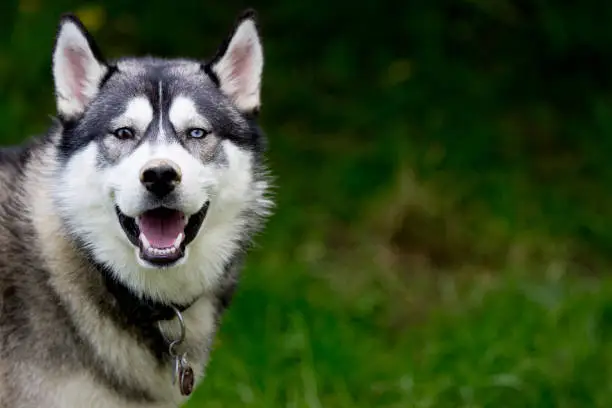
x=197 y=133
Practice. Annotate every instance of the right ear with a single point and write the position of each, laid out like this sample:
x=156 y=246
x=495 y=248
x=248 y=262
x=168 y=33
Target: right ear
x=238 y=65
x=78 y=67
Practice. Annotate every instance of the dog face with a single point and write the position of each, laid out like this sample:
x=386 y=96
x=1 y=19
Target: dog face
x=161 y=177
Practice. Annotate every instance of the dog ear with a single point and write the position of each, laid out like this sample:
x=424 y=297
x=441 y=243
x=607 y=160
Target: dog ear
x=78 y=67
x=238 y=65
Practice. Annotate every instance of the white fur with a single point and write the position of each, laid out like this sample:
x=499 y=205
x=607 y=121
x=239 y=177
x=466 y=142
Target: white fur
x=184 y=115
x=138 y=114
x=82 y=390
x=73 y=92
x=88 y=194
x=240 y=68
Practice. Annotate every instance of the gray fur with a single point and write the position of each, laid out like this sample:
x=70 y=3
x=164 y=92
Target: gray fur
x=66 y=338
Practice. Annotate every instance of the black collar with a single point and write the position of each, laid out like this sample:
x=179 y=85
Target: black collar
x=140 y=310
x=140 y=314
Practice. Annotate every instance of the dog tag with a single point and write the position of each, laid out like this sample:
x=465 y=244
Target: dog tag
x=186 y=379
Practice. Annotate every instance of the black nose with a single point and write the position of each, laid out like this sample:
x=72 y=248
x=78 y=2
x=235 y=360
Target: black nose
x=160 y=178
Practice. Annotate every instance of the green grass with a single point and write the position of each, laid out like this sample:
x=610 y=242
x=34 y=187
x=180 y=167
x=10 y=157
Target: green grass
x=502 y=341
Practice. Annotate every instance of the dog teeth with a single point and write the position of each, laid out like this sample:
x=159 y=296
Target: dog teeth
x=153 y=251
x=161 y=251
x=178 y=241
x=145 y=242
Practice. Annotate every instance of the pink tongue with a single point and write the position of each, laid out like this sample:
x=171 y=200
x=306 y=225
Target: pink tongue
x=161 y=227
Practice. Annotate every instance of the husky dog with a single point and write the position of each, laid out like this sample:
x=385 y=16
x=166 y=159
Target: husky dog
x=123 y=228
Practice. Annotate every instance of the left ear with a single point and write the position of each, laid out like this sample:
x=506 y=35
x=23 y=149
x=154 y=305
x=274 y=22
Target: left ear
x=78 y=67
x=239 y=64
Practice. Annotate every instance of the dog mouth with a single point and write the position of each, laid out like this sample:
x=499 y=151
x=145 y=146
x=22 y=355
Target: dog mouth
x=162 y=234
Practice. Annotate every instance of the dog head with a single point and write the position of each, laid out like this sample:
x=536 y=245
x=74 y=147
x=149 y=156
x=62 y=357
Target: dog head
x=161 y=175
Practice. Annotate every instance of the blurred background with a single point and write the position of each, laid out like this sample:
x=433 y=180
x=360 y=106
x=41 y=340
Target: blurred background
x=443 y=231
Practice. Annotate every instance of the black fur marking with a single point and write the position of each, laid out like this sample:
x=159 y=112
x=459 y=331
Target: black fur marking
x=258 y=140
x=70 y=142
x=111 y=70
x=211 y=74
x=226 y=296
x=16 y=326
x=226 y=292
